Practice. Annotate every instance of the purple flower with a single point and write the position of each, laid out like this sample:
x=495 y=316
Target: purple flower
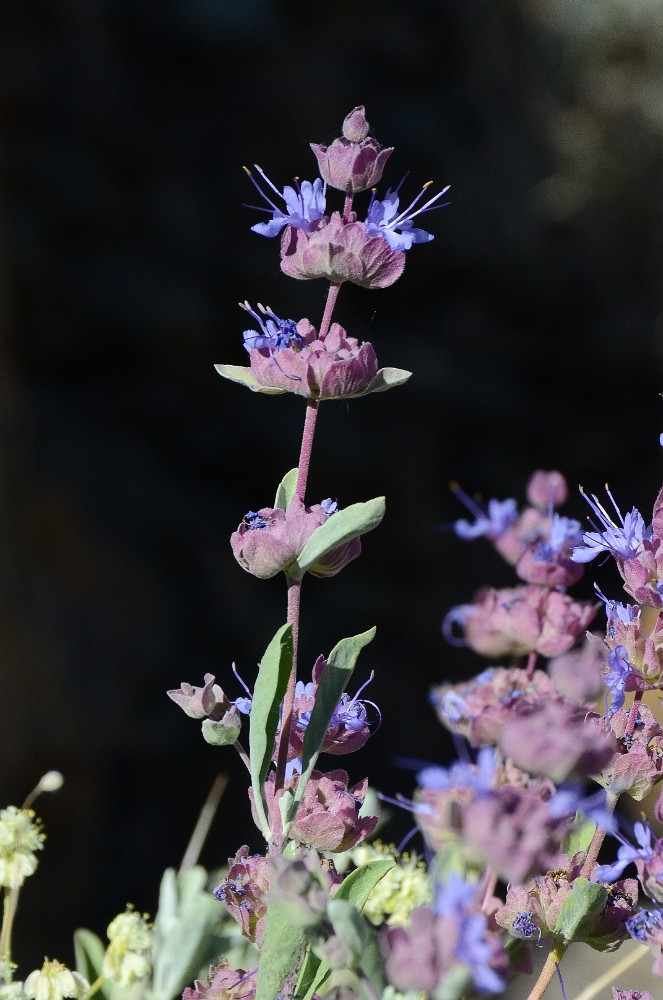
x=647 y=925
x=439 y=939
x=384 y=219
x=479 y=777
x=620 y=671
x=623 y=539
x=492 y=523
x=627 y=853
x=524 y=926
x=563 y=531
x=304 y=205
x=275 y=333
x=349 y=727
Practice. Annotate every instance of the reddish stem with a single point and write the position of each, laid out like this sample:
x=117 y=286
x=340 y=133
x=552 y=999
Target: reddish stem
x=306 y=448
x=294 y=594
x=347 y=205
x=531 y=663
x=295 y=586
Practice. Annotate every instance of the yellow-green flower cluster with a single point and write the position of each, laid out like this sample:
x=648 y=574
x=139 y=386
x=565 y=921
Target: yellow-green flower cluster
x=54 y=981
x=127 y=957
x=405 y=887
x=20 y=837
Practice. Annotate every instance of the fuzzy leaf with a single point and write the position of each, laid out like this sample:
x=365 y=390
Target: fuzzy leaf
x=184 y=939
x=348 y=924
x=268 y=692
x=282 y=951
x=454 y=985
x=334 y=680
x=244 y=376
x=355 y=889
x=286 y=490
x=360 y=883
x=386 y=378
x=584 y=902
x=341 y=527
x=89 y=952
x=580 y=837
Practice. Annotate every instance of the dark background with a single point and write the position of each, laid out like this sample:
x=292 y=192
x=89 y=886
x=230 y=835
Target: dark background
x=531 y=323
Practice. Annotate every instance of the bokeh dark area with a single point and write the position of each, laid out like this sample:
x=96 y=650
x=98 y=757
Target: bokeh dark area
x=531 y=323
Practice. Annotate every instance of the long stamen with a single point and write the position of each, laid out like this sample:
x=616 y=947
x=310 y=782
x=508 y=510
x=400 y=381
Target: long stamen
x=260 y=191
x=466 y=500
x=427 y=207
x=267 y=180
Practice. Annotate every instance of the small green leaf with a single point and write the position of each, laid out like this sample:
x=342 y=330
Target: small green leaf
x=360 y=883
x=286 y=490
x=282 y=952
x=355 y=888
x=585 y=901
x=268 y=693
x=454 y=985
x=348 y=924
x=186 y=932
x=340 y=664
x=580 y=837
x=244 y=376
x=341 y=527
x=386 y=378
x=89 y=953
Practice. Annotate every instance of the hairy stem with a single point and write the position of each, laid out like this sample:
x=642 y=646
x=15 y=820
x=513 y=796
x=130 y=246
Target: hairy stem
x=307 y=445
x=295 y=586
x=558 y=949
x=312 y=404
x=597 y=839
x=294 y=594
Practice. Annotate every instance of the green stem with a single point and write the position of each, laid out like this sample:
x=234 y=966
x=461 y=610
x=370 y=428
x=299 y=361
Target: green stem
x=95 y=987
x=548 y=971
x=9 y=912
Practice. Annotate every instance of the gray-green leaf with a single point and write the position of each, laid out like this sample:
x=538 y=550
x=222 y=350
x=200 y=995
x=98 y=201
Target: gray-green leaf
x=286 y=489
x=341 y=527
x=244 y=376
x=268 y=693
x=584 y=902
x=340 y=664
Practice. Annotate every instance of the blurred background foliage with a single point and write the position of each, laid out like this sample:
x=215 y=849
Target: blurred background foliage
x=532 y=325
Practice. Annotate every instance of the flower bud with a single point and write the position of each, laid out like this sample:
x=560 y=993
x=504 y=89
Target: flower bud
x=355 y=126
x=546 y=489
x=353 y=162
